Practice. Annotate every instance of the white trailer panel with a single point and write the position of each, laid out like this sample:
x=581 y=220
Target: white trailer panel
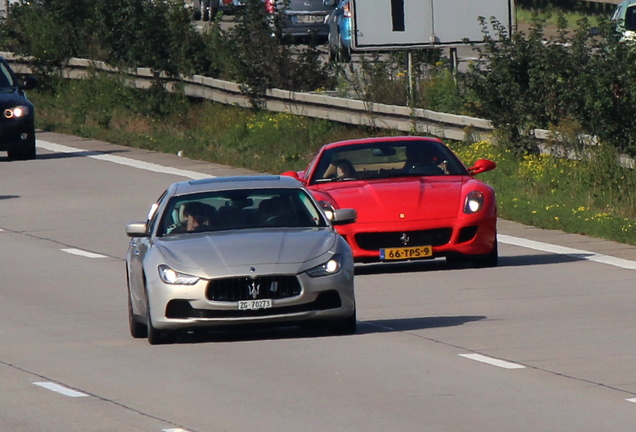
x=401 y=24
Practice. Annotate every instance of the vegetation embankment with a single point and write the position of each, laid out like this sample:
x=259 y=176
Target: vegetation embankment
x=574 y=83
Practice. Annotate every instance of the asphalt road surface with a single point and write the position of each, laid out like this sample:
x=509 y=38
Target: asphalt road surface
x=544 y=342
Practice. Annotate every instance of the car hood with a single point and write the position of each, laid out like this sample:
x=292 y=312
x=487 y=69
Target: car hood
x=222 y=250
x=413 y=198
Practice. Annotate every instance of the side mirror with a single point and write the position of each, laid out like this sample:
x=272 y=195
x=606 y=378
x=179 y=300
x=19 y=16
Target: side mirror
x=344 y=216
x=293 y=174
x=482 y=165
x=29 y=83
x=137 y=229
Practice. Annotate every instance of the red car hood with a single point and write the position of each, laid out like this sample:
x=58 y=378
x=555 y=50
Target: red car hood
x=414 y=198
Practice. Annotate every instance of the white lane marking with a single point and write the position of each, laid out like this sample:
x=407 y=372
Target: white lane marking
x=123 y=161
x=175 y=430
x=633 y=400
x=83 y=253
x=60 y=389
x=493 y=361
x=562 y=250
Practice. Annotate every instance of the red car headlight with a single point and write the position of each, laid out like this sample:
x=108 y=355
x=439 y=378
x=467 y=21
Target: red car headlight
x=474 y=202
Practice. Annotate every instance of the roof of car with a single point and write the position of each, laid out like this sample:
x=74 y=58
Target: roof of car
x=234 y=182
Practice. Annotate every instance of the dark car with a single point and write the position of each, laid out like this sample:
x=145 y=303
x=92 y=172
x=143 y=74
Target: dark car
x=17 y=122
x=303 y=18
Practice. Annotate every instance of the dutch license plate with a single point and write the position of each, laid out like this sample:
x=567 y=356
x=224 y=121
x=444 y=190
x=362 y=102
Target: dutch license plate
x=309 y=19
x=404 y=253
x=254 y=304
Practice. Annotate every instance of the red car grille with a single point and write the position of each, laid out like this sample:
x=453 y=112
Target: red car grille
x=245 y=288
x=376 y=241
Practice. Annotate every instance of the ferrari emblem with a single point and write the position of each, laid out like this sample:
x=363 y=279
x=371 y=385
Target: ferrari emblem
x=405 y=239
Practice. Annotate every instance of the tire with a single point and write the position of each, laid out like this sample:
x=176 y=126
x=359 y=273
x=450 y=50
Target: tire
x=156 y=336
x=345 y=326
x=138 y=329
x=489 y=260
x=26 y=152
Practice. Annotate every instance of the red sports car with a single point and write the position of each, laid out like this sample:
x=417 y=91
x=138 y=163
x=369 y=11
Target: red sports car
x=415 y=199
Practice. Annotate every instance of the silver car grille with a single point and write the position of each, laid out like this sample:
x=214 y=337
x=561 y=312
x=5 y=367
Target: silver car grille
x=246 y=288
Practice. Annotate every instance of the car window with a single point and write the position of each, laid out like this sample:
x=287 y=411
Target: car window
x=6 y=79
x=630 y=18
x=381 y=160
x=240 y=209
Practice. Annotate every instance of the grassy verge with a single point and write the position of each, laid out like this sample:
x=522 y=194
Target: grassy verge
x=591 y=196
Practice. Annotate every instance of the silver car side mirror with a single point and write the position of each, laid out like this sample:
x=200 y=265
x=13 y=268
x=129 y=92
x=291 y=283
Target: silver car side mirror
x=137 y=229
x=344 y=216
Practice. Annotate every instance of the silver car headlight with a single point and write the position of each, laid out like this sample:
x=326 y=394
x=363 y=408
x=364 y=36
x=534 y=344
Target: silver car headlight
x=16 y=112
x=332 y=266
x=172 y=277
x=474 y=202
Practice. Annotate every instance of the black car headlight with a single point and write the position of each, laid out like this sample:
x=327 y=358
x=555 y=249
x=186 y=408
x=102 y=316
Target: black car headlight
x=474 y=202
x=172 y=277
x=331 y=267
x=16 y=112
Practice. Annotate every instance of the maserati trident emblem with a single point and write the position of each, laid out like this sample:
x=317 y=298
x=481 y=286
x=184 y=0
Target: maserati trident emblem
x=405 y=239
x=254 y=289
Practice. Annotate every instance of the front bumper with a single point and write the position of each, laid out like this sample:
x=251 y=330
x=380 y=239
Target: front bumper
x=15 y=134
x=321 y=299
x=448 y=237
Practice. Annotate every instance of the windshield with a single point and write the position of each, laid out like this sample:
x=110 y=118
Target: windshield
x=390 y=159
x=240 y=209
x=6 y=78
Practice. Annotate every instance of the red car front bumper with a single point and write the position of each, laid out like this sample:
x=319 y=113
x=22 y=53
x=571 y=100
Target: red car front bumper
x=469 y=237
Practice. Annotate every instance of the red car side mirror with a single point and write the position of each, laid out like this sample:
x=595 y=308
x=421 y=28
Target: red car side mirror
x=482 y=165
x=293 y=174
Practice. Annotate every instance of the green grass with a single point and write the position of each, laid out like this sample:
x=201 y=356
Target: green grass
x=593 y=197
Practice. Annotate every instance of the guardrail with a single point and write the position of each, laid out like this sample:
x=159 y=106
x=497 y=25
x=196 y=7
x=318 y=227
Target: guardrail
x=349 y=111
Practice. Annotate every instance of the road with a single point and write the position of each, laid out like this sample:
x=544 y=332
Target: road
x=544 y=342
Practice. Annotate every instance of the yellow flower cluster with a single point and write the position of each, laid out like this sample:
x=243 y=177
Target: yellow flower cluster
x=272 y=121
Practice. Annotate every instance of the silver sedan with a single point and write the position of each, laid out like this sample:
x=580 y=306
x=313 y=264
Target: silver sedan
x=229 y=251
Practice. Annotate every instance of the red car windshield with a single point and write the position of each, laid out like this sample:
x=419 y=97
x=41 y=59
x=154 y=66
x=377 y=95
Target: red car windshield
x=390 y=159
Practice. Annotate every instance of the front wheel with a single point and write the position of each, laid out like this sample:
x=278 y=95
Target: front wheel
x=345 y=326
x=489 y=260
x=137 y=328
x=26 y=151
x=156 y=336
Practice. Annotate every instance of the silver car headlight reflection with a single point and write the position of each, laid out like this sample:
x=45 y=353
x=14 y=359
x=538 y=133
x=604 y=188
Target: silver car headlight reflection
x=16 y=112
x=332 y=266
x=474 y=202
x=172 y=277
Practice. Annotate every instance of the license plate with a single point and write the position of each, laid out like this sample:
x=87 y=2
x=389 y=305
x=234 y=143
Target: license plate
x=309 y=19
x=254 y=304
x=404 y=253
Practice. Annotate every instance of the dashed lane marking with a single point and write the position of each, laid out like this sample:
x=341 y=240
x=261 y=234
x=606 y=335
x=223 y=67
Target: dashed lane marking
x=492 y=361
